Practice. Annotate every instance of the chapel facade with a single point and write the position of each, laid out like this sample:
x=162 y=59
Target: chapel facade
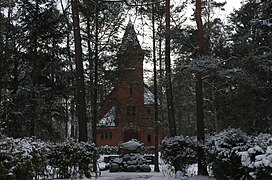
x=128 y=111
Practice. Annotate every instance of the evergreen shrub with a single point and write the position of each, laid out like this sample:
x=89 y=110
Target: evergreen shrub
x=28 y=158
x=149 y=149
x=231 y=154
x=19 y=158
x=235 y=155
x=258 y=157
x=222 y=151
x=69 y=159
x=179 y=151
x=107 y=150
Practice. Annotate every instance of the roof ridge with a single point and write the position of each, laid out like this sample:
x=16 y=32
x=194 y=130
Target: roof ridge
x=129 y=39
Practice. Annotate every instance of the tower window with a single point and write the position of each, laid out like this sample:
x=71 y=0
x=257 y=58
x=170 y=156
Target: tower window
x=130 y=89
x=106 y=135
x=131 y=110
x=130 y=63
x=102 y=135
x=149 y=138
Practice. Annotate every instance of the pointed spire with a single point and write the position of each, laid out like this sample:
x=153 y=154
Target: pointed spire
x=129 y=39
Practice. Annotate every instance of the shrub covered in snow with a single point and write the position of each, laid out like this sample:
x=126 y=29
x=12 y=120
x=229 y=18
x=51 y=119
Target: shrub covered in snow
x=28 y=158
x=21 y=158
x=258 y=157
x=107 y=150
x=223 y=151
x=235 y=155
x=70 y=158
x=149 y=149
x=179 y=151
x=232 y=154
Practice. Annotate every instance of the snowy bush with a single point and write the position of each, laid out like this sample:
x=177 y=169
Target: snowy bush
x=179 y=151
x=28 y=158
x=223 y=151
x=235 y=155
x=107 y=150
x=68 y=159
x=149 y=149
x=258 y=158
x=21 y=158
x=232 y=154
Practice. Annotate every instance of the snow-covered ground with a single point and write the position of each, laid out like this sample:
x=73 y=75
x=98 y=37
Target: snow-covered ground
x=141 y=176
x=106 y=175
x=135 y=175
x=166 y=173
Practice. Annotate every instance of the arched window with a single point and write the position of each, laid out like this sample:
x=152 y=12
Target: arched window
x=149 y=138
x=102 y=135
x=131 y=110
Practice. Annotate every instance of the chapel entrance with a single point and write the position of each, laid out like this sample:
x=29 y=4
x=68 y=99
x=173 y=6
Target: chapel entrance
x=130 y=134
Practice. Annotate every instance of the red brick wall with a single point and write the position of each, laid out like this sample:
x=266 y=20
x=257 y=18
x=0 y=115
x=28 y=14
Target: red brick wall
x=129 y=91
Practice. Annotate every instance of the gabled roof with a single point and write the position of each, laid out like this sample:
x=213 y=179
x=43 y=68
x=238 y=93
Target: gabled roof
x=149 y=98
x=129 y=38
x=109 y=119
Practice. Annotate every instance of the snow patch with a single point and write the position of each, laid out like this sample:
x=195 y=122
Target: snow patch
x=109 y=118
x=149 y=98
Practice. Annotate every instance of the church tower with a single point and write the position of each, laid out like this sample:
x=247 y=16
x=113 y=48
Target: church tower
x=130 y=67
x=127 y=112
x=130 y=56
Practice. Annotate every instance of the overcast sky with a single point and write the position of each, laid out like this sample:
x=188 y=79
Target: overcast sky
x=229 y=7
x=232 y=4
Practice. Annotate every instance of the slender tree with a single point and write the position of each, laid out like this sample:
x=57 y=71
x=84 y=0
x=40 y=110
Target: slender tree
x=95 y=108
x=69 y=57
x=170 y=106
x=156 y=167
x=199 y=91
x=81 y=104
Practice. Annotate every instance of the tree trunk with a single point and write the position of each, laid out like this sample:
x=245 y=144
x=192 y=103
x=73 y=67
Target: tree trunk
x=34 y=50
x=90 y=60
x=95 y=109
x=156 y=163
x=170 y=106
x=202 y=169
x=72 y=104
x=67 y=118
x=81 y=104
x=161 y=73
x=95 y=113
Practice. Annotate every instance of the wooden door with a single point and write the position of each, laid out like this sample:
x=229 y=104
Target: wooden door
x=130 y=134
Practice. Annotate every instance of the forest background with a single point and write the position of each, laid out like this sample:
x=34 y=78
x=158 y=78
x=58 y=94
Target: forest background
x=38 y=91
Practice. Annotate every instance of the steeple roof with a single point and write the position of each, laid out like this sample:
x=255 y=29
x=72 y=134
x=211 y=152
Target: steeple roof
x=129 y=38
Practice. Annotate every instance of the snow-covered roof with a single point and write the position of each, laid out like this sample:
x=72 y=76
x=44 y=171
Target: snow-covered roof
x=148 y=97
x=129 y=39
x=109 y=118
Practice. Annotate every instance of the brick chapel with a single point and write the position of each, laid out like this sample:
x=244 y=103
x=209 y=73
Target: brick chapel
x=128 y=111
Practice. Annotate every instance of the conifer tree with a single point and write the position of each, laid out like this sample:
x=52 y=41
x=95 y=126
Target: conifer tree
x=38 y=71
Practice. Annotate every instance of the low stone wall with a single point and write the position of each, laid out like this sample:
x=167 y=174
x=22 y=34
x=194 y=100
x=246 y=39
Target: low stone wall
x=133 y=162
x=131 y=158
